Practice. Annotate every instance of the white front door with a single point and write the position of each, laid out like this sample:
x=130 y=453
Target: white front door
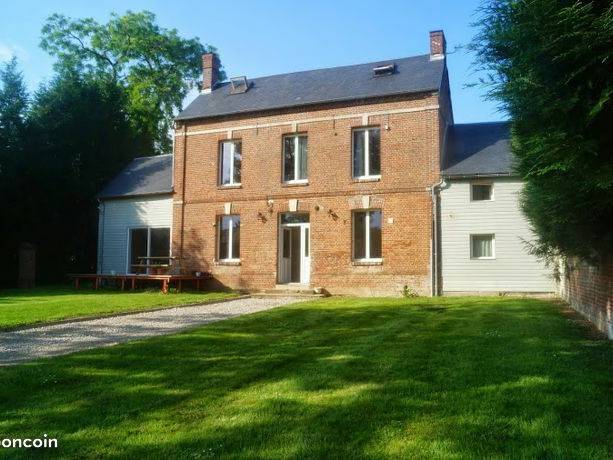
x=295 y=253
x=305 y=253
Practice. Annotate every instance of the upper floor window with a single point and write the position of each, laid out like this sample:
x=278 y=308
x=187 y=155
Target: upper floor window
x=295 y=158
x=228 y=238
x=366 y=153
x=481 y=192
x=367 y=235
x=230 y=159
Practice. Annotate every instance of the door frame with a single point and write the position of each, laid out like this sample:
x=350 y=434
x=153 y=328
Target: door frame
x=305 y=265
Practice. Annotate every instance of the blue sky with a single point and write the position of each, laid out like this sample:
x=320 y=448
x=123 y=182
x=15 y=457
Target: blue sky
x=258 y=38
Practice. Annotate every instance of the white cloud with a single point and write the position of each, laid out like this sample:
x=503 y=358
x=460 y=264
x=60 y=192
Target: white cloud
x=7 y=51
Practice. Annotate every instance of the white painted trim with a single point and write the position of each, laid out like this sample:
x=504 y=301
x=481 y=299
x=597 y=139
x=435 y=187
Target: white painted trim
x=309 y=120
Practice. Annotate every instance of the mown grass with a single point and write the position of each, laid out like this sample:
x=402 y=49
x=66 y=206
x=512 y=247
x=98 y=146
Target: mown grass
x=20 y=308
x=336 y=378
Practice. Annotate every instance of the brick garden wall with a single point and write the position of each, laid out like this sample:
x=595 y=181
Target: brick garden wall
x=410 y=164
x=589 y=290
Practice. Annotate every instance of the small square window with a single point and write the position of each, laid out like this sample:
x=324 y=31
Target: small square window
x=482 y=246
x=481 y=192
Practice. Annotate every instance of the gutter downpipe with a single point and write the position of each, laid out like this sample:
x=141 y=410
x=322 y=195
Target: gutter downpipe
x=434 y=282
x=183 y=175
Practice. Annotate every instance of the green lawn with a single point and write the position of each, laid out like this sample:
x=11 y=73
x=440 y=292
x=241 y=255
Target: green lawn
x=335 y=378
x=27 y=307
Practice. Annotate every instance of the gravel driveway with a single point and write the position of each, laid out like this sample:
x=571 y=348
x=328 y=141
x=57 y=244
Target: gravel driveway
x=60 y=339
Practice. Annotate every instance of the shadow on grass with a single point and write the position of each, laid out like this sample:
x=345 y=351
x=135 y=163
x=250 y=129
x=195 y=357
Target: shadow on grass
x=335 y=378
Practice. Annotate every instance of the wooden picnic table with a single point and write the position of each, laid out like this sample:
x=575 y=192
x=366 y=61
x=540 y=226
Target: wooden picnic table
x=149 y=263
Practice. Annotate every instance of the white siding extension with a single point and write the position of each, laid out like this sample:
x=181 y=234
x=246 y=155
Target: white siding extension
x=512 y=269
x=117 y=216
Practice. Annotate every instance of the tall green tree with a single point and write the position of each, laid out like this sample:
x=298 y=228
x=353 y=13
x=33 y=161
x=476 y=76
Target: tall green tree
x=550 y=65
x=155 y=66
x=13 y=110
x=13 y=134
x=80 y=137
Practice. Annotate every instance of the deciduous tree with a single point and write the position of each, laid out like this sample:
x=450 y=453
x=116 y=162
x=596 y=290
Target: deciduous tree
x=156 y=66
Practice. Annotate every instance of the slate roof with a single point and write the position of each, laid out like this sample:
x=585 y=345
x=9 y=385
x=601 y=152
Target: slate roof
x=479 y=149
x=143 y=176
x=413 y=74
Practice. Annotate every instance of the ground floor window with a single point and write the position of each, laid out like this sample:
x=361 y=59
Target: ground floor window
x=482 y=246
x=228 y=238
x=148 y=246
x=367 y=235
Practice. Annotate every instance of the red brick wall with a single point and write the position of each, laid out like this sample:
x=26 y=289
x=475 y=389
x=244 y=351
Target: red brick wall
x=589 y=290
x=410 y=158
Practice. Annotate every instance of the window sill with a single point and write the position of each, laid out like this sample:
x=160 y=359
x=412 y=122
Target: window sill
x=229 y=186
x=229 y=262
x=367 y=179
x=295 y=183
x=367 y=262
x=483 y=258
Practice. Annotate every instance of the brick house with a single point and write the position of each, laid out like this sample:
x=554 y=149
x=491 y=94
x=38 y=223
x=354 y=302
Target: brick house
x=326 y=178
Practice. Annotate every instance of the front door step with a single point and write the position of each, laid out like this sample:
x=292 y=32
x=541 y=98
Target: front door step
x=288 y=290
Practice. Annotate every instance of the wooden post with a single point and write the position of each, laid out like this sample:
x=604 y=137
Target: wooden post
x=27 y=265
x=165 y=286
x=76 y=282
x=133 y=282
x=123 y=283
x=96 y=283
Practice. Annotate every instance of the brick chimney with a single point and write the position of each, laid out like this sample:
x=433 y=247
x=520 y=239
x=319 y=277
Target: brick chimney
x=210 y=71
x=438 y=45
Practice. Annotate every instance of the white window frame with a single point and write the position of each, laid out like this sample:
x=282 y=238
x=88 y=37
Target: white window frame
x=230 y=257
x=493 y=236
x=367 y=257
x=472 y=196
x=129 y=245
x=296 y=138
x=233 y=144
x=367 y=174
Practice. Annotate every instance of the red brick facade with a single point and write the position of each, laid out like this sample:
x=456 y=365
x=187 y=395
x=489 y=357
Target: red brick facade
x=589 y=290
x=411 y=133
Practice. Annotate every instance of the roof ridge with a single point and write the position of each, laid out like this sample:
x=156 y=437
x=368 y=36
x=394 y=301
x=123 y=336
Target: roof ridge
x=333 y=67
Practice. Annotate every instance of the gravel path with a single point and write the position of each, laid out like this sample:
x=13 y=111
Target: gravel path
x=60 y=339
